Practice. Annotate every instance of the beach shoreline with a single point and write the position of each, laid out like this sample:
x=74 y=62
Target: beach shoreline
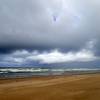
x=64 y=87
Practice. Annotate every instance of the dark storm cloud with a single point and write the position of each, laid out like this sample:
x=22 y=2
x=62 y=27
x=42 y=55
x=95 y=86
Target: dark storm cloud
x=20 y=57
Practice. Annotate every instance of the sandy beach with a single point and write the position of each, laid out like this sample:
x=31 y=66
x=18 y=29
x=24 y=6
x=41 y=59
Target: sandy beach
x=76 y=87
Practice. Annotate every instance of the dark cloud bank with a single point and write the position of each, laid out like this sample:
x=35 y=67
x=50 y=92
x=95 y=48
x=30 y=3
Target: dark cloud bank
x=50 y=33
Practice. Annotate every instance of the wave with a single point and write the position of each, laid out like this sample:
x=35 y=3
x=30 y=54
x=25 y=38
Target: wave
x=22 y=70
x=15 y=70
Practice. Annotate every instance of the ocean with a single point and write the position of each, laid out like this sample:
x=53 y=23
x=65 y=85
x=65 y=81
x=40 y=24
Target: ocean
x=12 y=72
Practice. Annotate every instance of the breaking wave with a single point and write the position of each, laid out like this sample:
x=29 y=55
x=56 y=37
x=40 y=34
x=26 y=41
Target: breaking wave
x=5 y=70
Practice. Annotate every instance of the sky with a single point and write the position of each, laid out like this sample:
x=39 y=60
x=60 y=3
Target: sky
x=59 y=33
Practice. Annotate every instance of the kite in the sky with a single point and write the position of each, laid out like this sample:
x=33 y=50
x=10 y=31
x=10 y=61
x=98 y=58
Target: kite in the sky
x=54 y=18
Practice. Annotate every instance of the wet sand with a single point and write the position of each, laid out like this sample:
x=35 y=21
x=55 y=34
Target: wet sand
x=76 y=87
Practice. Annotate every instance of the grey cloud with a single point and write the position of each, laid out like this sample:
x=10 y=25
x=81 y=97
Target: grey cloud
x=31 y=23
x=85 y=54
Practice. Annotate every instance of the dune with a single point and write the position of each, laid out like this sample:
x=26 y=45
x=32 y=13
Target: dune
x=75 y=87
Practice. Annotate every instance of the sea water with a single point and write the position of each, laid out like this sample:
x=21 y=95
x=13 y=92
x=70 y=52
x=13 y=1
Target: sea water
x=12 y=72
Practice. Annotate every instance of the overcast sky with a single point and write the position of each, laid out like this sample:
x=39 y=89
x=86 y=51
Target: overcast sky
x=38 y=32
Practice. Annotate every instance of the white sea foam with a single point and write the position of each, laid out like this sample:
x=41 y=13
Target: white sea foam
x=5 y=70
x=22 y=70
